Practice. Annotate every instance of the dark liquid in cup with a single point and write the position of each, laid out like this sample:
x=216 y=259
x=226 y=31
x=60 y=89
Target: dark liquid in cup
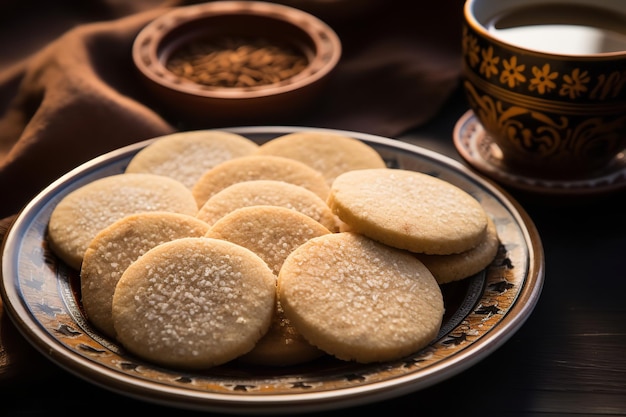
x=562 y=29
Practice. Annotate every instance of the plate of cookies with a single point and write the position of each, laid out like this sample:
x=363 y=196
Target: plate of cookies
x=270 y=269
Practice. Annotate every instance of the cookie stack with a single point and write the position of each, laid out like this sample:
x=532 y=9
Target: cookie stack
x=211 y=248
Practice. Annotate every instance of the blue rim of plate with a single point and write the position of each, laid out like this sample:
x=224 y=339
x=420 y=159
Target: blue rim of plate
x=41 y=298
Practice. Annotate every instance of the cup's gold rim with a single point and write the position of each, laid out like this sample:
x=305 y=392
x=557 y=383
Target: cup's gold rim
x=470 y=19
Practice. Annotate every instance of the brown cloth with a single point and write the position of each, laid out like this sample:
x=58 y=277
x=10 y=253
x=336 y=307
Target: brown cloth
x=73 y=94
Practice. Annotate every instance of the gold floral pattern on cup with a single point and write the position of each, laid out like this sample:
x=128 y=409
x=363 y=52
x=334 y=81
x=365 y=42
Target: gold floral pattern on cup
x=549 y=114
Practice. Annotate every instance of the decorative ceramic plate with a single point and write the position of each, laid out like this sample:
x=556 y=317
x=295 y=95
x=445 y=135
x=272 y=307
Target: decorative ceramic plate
x=479 y=150
x=42 y=296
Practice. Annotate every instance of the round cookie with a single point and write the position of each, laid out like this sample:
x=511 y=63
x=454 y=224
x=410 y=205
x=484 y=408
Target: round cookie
x=408 y=210
x=448 y=268
x=282 y=345
x=268 y=192
x=329 y=153
x=258 y=167
x=186 y=156
x=194 y=303
x=117 y=246
x=84 y=212
x=272 y=232
x=358 y=299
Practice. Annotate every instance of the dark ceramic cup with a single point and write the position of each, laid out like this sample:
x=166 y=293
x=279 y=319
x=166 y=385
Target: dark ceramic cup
x=547 y=81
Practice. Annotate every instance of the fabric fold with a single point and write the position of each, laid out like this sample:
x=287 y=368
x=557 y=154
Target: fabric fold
x=79 y=98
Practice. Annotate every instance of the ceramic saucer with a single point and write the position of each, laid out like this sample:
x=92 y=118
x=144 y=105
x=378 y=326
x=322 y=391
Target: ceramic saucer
x=479 y=150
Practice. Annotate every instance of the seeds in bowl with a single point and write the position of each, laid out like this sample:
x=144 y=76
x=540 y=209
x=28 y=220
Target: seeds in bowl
x=236 y=62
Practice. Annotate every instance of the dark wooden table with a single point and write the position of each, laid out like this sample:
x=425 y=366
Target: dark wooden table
x=568 y=359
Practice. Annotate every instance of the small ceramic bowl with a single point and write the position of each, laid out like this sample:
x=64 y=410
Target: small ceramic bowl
x=236 y=62
x=552 y=100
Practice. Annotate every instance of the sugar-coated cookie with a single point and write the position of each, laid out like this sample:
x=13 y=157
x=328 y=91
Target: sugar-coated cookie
x=258 y=167
x=329 y=153
x=194 y=303
x=117 y=246
x=408 y=210
x=448 y=268
x=358 y=299
x=84 y=212
x=282 y=345
x=272 y=232
x=186 y=156
x=268 y=192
